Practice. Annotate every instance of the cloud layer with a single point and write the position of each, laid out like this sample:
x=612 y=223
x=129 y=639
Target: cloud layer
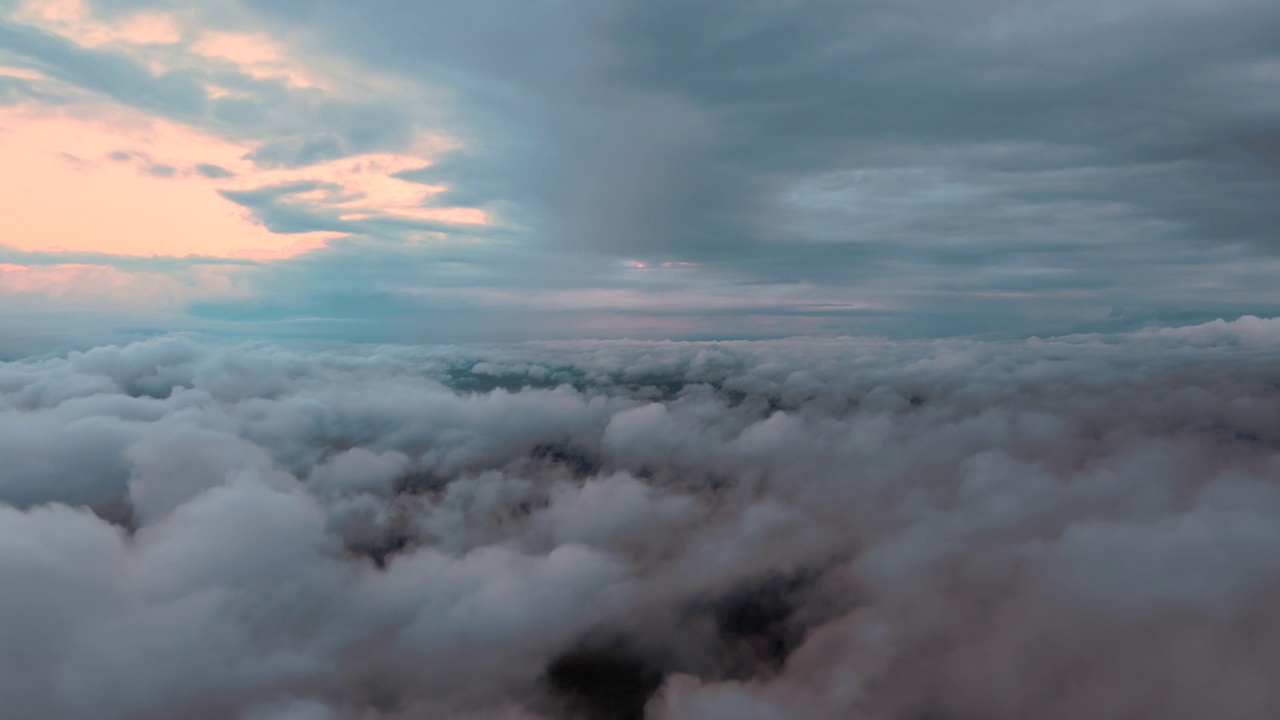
x=1053 y=528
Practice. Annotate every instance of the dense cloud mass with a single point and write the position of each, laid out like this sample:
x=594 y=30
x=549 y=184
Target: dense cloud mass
x=1058 y=528
x=963 y=166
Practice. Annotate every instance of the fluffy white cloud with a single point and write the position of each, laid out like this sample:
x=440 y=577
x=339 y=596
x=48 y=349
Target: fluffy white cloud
x=1053 y=528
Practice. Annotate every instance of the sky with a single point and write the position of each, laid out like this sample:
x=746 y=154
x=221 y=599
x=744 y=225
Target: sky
x=433 y=172
x=639 y=359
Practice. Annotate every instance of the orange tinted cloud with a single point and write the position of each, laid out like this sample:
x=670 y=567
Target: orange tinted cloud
x=370 y=190
x=255 y=54
x=154 y=37
x=72 y=20
x=19 y=73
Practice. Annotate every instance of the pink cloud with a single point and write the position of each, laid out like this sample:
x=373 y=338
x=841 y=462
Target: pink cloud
x=637 y=265
x=91 y=175
x=73 y=20
x=257 y=55
x=167 y=41
x=19 y=73
x=793 y=298
x=369 y=188
x=80 y=286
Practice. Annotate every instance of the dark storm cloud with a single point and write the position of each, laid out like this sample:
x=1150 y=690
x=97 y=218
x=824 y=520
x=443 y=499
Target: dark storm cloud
x=693 y=128
x=1054 y=528
x=997 y=166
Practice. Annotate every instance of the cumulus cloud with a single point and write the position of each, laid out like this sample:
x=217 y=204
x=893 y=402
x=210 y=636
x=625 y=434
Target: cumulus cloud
x=1065 y=527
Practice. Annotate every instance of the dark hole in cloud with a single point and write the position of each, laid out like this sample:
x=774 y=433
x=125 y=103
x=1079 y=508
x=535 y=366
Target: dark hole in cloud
x=605 y=682
x=742 y=634
x=419 y=483
x=757 y=627
x=579 y=460
x=379 y=544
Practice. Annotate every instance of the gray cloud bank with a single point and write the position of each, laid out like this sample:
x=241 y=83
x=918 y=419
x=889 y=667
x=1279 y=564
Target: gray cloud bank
x=971 y=167
x=932 y=150
x=1082 y=526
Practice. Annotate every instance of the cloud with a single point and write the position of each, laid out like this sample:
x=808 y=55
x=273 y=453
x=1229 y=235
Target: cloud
x=213 y=172
x=184 y=176
x=822 y=528
x=906 y=170
x=747 y=106
x=194 y=108
x=974 y=166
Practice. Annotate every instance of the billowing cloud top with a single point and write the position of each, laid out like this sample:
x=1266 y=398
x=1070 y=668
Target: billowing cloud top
x=1074 y=527
x=504 y=169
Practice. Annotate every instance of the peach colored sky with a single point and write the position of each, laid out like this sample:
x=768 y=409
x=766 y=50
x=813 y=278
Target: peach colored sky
x=94 y=175
x=61 y=190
